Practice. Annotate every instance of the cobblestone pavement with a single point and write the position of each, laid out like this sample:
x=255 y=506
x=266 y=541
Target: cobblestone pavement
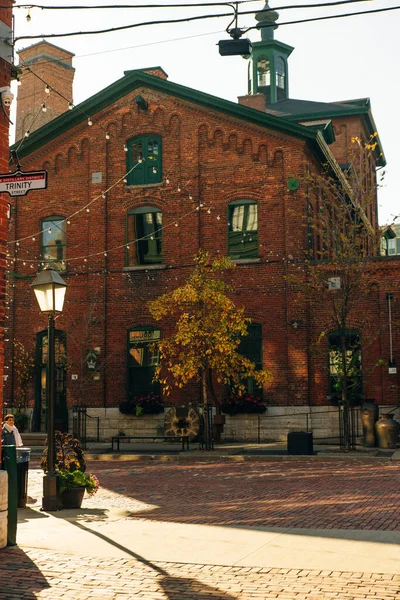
x=314 y=494
x=306 y=494
x=39 y=575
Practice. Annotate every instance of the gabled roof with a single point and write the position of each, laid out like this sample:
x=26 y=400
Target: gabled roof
x=138 y=78
x=302 y=110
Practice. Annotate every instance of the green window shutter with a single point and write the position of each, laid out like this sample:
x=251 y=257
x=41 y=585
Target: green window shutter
x=144 y=230
x=144 y=160
x=251 y=347
x=243 y=230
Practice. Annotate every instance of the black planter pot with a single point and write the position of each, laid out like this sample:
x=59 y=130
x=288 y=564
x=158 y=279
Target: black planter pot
x=72 y=498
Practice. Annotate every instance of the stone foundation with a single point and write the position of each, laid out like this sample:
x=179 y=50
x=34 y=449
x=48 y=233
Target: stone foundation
x=272 y=426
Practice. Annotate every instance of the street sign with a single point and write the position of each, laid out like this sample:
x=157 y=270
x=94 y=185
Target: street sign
x=20 y=183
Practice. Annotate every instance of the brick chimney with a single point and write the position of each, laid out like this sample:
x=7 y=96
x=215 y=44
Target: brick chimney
x=53 y=65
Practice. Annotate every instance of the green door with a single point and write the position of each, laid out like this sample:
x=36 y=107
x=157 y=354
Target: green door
x=41 y=407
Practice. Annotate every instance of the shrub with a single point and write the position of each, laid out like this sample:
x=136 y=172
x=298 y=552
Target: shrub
x=243 y=404
x=151 y=404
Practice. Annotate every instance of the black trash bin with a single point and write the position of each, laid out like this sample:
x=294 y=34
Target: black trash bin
x=23 y=458
x=300 y=442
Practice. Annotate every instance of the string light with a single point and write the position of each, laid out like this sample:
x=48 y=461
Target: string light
x=90 y=122
x=28 y=15
x=44 y=108
x=154 y=170
x=190 y=197
x=27 y=133
x=47 y=89
x=107 y=135
x=125 y=148
x=70 y=106
x=179 y=188
x=167 y=180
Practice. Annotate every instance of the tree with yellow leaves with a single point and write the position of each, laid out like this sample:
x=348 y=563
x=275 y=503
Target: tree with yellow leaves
x=209 y=328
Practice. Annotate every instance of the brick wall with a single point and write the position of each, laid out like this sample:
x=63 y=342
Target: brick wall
x=217 y=159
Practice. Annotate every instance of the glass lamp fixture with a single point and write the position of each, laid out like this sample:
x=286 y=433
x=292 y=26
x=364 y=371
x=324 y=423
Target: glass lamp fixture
x=49 y=288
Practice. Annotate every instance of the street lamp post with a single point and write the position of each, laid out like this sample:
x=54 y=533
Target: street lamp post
x=49 y=288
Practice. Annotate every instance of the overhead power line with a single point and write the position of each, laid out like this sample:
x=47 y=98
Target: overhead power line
x=215 y=16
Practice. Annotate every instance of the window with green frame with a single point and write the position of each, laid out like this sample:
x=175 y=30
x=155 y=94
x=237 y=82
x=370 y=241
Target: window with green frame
x=251 y=347
x=243 y=229
x=352 y=342
x=143 y=358
x=144 y=160
x=53 y=241
x=144 y=230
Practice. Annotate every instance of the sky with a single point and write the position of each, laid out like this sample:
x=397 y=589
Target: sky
x=336 y=59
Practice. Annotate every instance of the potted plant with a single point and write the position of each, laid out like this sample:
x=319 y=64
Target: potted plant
x=70 y=467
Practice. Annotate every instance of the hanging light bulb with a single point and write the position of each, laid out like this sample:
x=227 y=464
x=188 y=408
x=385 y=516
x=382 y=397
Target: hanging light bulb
x=103 y=195
x=218 y=218
x=18 y=81
x=90 y=122
x=105 y=254
x=201 y=204
x=190 y=197
x=167 y=180
x=125 y=148
x=179 y=188
x=70 y=106
x=154 y=170
x=209 y=211
x=140 y=160
x=68 y=222
x=107 y=135
x=28 y=15
x=88 y=209
x=125 y=180
x=33 y=239
x=44 y=108
x=176 y=224
x=47 y=89
x=27 y=133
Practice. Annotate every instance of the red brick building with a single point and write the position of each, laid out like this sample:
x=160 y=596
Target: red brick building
x=143 y=174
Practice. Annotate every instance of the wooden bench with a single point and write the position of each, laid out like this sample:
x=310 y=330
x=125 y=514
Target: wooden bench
x=169 y=438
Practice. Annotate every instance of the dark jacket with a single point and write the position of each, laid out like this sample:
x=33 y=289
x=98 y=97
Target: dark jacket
x=7 y=437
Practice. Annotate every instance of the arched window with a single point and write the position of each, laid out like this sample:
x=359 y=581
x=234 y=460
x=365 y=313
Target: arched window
x=242 y=229
x=344 y=349
x=144 y=230
x=143 y=358
x=53 y=241
x=280 y=73
x=144 y=160
x=263 y=72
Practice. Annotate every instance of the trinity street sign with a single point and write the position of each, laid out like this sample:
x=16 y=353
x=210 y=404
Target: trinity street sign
x=20 y=183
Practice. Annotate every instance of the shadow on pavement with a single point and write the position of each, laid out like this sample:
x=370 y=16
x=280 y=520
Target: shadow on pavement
x=19 y=576
x=171 y=585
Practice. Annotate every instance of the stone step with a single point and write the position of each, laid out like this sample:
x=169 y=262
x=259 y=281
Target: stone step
x=34 y=439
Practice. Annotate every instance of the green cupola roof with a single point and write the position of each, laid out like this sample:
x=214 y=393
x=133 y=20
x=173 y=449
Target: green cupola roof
x=268 y=68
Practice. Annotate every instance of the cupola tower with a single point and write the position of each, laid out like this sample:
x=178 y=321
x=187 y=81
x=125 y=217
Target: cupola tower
x=268 y=68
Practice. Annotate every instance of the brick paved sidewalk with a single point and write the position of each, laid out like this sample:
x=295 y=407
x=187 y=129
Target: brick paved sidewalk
x=268 y=494
x=39 y=574
x=306 y=494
